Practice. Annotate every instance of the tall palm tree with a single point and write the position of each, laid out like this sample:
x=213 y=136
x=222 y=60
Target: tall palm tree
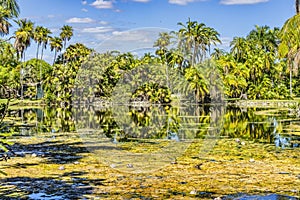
x=196 y=40
x=12 y=6
x=45 y=39
x=8 y=10
x=186 y=37
x=23 y=36
x=56 y=44
x=38 y=38
x=239 y=47
x=66 y=34
x=290 y=44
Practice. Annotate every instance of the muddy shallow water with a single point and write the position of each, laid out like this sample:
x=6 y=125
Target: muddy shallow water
x=152 y=153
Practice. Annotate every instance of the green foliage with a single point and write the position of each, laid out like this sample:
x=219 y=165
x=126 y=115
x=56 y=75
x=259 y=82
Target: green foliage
x=152 y=93
x=252 y=67
x=59 y=83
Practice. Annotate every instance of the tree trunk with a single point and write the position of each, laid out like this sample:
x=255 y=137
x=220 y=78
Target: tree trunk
x=291 y=92
x=297 y=4
x=55 y=52
x=37 y=51
x=42 y=53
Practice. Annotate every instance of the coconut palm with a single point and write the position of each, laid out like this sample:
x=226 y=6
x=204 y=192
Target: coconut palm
x=290 y=44
x=195 y=40
x=38 y=38
x=45 y=40
x=66 y=34
x=12 y=6
x=23 y=36
x=4 y=23
x=186 y=37
x=41 y=37
x=56 y=45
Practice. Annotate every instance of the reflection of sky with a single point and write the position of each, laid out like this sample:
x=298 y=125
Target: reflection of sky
x=281 y=140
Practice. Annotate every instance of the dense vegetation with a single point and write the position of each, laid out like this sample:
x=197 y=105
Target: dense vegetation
x=262 y=65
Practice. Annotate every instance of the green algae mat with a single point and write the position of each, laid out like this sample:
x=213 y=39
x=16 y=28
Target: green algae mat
x=62 y=166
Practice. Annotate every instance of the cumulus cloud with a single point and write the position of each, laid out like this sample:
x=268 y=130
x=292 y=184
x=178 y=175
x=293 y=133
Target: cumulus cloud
x=98 y=29
x=240 y=2
x=84 y=10
x=83 y=2
x=102 y=4
x=79 y=20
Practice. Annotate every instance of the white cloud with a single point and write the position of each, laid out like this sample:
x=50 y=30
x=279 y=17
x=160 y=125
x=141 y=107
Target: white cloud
x=83 y=2
x=183 y=2
x=102 y=4
x=225 y=43
x=84 y=10
x=240 y=2
x=142 y=1
x=79 y=20
x=99 y=29
x=103 y=22
x=136 y=40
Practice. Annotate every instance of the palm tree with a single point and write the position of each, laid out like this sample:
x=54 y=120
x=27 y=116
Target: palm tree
x=37 y=37
x=290 y=44
x=66 y=34
x=45 y=39
x=41 y=37
x=186 y=37
x=8 y=9
x=4 y=23
x=239 y=47
x=12 y=6
x=196 y=40
x=23 y=36
x=56 y=45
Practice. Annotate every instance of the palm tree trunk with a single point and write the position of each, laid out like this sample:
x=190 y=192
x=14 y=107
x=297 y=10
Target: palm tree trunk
x=55 y=52
x=37 y=51
x=291 y=92
x=42 y=53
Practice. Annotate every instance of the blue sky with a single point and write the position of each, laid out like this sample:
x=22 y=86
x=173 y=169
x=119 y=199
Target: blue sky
x=95 y=21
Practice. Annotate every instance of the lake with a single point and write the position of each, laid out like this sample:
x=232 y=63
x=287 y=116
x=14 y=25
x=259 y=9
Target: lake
x=218 y=150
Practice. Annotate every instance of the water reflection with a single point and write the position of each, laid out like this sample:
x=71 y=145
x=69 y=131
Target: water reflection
x=122 y=123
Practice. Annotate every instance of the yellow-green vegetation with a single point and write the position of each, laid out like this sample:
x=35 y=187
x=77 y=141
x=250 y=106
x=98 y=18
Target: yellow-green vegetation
x=229 y=168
